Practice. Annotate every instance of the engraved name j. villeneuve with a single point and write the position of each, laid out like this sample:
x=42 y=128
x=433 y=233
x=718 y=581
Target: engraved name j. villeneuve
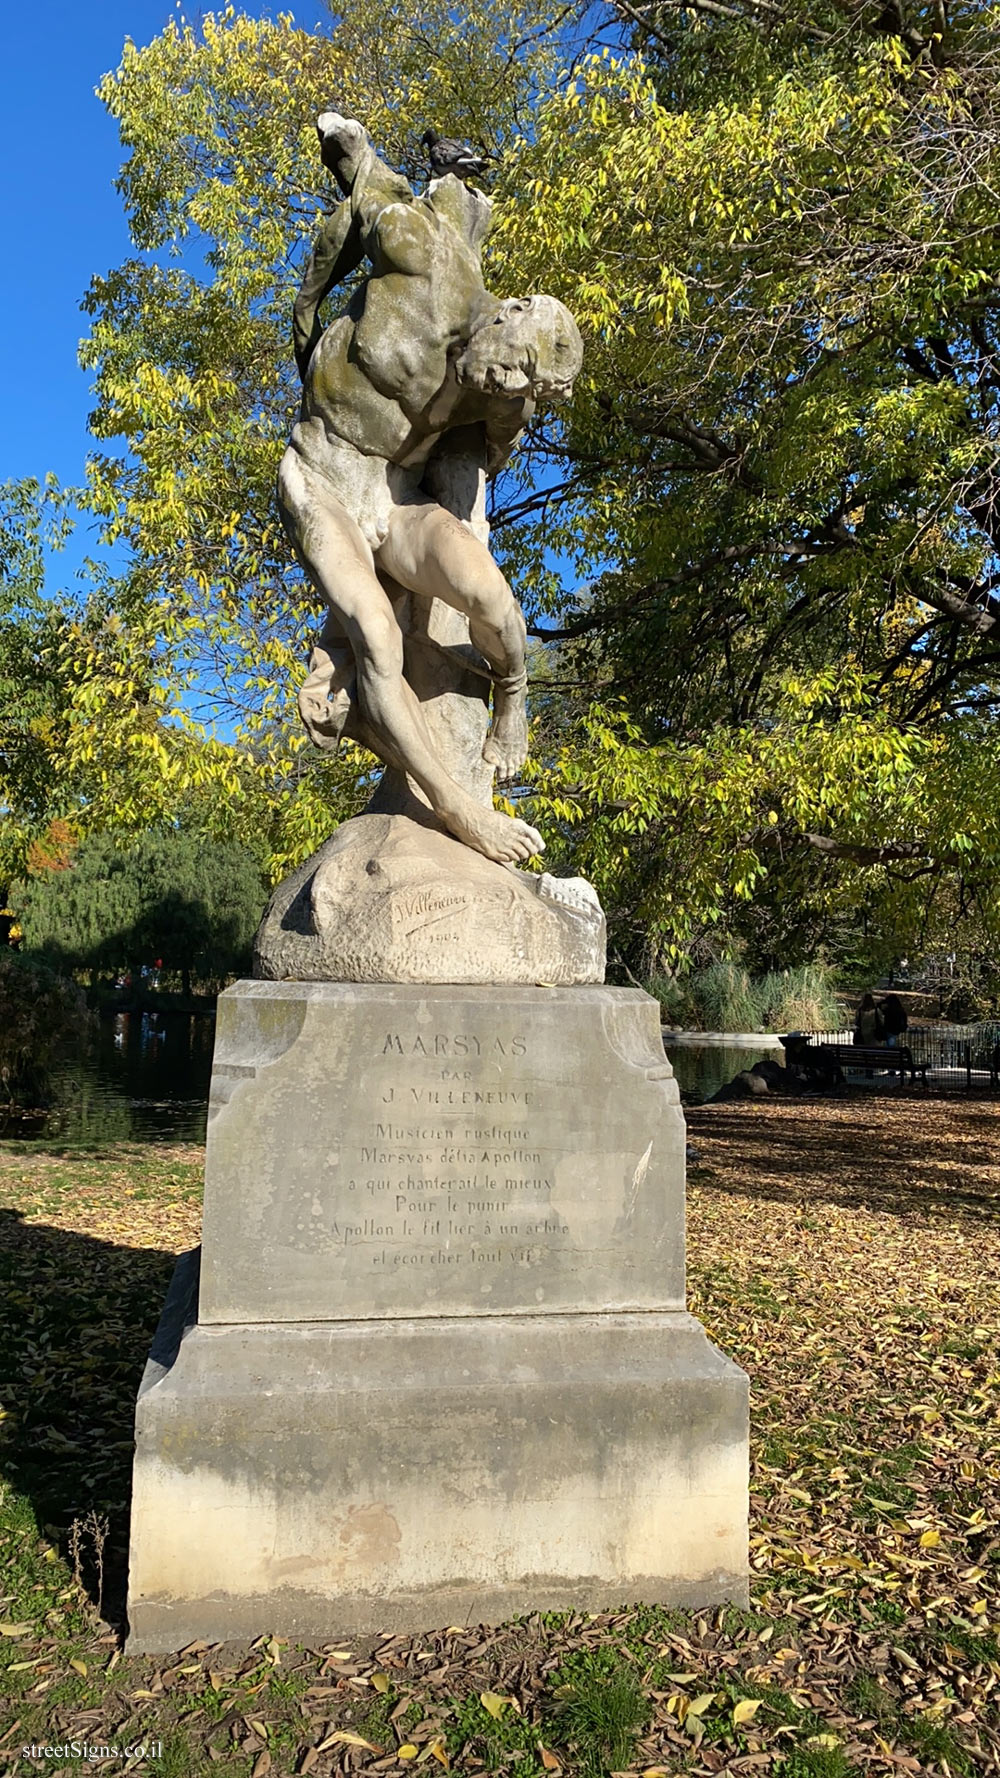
x=461 y=1044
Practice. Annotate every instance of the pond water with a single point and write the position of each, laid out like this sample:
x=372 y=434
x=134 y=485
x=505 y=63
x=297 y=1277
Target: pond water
x=145 y=1080
x=701 y=1069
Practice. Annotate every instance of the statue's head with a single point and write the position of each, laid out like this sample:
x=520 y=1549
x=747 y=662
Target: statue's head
x=526 y=346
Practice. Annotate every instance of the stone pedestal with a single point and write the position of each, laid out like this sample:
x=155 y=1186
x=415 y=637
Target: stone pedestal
x=437 y=1365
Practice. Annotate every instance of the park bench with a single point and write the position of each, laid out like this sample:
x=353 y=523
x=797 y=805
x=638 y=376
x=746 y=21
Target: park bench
x=877 y=1055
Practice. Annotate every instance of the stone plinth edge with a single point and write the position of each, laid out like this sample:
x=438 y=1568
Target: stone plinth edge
x=325 y=1479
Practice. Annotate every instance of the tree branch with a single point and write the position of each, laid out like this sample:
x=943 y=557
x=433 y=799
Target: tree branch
x=600 y=620
x=907 y=852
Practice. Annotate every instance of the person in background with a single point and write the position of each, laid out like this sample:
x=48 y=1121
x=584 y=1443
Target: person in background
x=868 y=1026
x=894 y=1019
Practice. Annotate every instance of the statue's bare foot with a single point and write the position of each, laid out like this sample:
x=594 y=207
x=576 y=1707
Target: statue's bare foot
x=506 y=745
x=501 y=837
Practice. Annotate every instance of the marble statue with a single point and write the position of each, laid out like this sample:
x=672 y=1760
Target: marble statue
x=412 y=397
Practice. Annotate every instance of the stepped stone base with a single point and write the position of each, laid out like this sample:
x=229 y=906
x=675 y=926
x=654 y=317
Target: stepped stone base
x=315 y=1479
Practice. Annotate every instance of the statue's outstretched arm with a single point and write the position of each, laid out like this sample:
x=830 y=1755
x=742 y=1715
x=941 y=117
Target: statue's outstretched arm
x=392 y=227
x=346 y=148
x=336 y=254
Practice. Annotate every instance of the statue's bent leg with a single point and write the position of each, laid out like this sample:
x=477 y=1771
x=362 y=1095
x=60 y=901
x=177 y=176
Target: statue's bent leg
x=430 y=551
x=339 y=562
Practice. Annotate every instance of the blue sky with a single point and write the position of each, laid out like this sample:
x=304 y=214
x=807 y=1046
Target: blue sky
x=61 y=219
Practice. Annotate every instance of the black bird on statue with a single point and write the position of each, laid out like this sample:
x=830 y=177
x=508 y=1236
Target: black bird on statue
x=448 y=156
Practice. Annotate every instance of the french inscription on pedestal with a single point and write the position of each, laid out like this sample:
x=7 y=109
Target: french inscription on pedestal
x=445 y=1174
x=400 y=1158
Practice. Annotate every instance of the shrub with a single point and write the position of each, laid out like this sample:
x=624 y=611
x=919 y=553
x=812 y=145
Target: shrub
x=42 y=1017
x=725 y=997
x=675 y=1000
x=799 y=999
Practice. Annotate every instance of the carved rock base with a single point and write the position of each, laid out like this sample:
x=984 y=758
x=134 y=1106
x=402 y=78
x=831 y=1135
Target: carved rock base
x=392 y=899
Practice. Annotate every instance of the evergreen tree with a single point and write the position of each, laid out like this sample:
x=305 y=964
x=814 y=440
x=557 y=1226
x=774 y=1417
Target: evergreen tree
x=168 y=900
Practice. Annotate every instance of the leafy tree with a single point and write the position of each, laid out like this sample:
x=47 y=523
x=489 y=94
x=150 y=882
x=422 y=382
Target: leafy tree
x=777 y=226
x=169 y=899
x=775 y=700
x=31 y=518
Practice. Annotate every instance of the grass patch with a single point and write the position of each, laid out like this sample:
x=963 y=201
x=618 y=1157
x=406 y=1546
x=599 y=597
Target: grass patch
x=813 y=1762
x=506 y=1742
x=933 y=1741
x=598 y=1707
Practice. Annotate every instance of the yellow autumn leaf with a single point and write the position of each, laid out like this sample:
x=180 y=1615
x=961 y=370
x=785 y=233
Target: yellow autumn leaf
x=823 y=1741
x=15 y=1629
x=495 y=1702
x=930 y=1540
x=701 y=1704
x=381 y=1682
x=79 y=1667
x=345 y=1738
x=407 y=1751
x=746 y=1709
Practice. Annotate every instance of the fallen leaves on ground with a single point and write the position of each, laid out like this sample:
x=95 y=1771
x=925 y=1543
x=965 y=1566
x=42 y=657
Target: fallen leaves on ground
x=845 y=1253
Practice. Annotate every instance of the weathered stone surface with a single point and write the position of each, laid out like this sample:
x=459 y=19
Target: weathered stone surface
x=388 y=1151
x=441 y=1368
x=391 y=898
x=316 y=1479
